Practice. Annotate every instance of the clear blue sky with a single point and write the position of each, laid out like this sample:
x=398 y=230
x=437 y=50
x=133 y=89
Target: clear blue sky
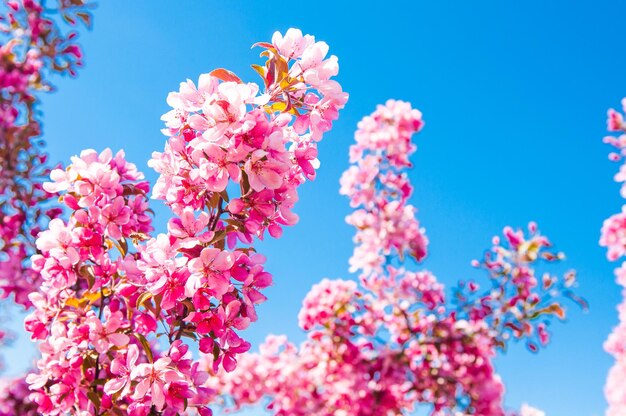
x=514 y=95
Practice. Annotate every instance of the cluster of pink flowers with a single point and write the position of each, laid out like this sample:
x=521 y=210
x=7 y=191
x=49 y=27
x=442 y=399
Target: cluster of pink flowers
x=392 y=342
x=33 y=47
x=372 y=355
x=86 y=306
x=519 y=302
x=384 y=348
x=221 y=135
x=118 y=309
x=377 y=185
x=14 y=398
x=613 y=237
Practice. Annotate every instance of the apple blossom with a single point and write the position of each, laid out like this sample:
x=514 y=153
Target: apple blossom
x=33 y=46
x=119 y=307
x=393 y=342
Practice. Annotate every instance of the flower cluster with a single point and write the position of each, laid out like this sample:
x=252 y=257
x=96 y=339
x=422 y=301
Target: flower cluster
x=393 y=342
x=32 y=48
x=84 y=312
x=372 y=355
x=14 y=398
x=334 y=296
x=385 y=222
x=119 y=309
x=226 y=133
x=519 y=303
x=613 y=238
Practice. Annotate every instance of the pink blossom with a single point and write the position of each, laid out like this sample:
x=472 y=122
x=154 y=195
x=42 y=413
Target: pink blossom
x=104 y=335
x=392 y=341
x=122 y=369
x=112 y=295
x=293 y=43
x=152 y=380
x=209 y=269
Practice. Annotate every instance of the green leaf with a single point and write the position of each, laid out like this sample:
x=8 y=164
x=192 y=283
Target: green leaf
x=94 y=398
x=146 y=346
x=142 y=298
x=219 y=236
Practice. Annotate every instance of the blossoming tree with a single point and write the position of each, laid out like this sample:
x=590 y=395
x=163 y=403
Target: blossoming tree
x=33 y=47
x=392 y=342
x=117 y=308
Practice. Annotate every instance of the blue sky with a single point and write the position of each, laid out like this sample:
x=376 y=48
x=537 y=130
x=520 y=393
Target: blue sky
x=514 y=95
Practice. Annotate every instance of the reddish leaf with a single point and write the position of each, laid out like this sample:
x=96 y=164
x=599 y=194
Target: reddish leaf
x=225 y=75
x=85 y=17
x=557 y=310
x=265 y=45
